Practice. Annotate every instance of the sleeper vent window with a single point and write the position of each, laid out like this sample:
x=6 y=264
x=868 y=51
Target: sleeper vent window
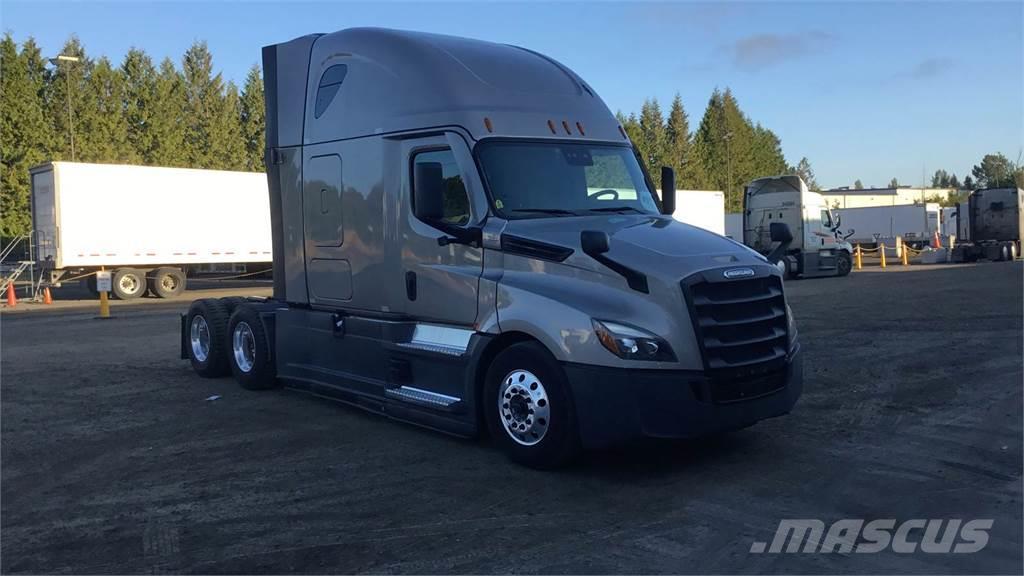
x=329 y=84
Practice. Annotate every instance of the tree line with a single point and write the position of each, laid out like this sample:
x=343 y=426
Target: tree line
x=183 y=114
x=138 y=112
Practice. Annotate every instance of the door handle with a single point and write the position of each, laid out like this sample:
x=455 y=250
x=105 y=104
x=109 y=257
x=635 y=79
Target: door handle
x=410 y=285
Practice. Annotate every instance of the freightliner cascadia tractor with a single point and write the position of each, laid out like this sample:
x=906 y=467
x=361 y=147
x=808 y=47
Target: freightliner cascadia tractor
x=465 y=239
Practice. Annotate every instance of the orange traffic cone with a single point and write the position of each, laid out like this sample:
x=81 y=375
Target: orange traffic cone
x=47 y=299
x=12 y=300
x=935 y=241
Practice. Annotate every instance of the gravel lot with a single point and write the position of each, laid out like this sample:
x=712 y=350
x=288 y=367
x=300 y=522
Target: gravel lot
x=114 y=460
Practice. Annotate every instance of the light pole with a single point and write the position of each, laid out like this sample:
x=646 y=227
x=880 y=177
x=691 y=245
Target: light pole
x=67 y=95
x=728 y=163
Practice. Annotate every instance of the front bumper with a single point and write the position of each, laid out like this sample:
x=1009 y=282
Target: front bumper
x=615 y=405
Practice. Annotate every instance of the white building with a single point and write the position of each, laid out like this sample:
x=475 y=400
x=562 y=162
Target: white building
x=867 y=197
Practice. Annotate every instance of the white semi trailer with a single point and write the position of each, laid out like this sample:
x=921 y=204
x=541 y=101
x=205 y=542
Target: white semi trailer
x=702 y=208
x=145 y=224
x=916 y=224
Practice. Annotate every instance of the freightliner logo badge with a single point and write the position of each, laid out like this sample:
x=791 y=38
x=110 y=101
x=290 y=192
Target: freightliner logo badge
x=738 y=273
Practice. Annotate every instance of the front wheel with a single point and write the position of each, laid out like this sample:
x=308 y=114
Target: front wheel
x=528 y=407
x=843 y=263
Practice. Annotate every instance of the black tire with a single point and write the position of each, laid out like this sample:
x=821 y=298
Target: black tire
x=844 y=263
x=247 y=337
x=167 y=282
x=232 y=302
x=559 y=443
x=215 y=316
x=128 y=283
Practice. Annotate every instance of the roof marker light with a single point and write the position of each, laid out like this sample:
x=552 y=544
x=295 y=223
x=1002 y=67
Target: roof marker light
x=551 y=126
x=488 y=125
x=580 y=128
x=566 y=126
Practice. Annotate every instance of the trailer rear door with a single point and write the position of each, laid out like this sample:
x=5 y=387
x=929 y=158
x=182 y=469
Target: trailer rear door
x=45 y=232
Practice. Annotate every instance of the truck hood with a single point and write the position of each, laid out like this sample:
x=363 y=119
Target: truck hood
x=655 y=245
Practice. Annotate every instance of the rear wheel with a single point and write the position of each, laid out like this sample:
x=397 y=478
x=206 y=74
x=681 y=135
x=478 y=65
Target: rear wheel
x=167 y=282
x=250 y=357
x=528 y=408
x=843 y=263
x=128 y=283
x=207 y=325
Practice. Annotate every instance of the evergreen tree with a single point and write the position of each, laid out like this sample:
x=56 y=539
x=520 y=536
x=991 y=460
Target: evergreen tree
x=205 y=109
x=968 y=182
x=954 y=182
x=767 y=153
x=894 y=183
x=994 y=171
x=167 y=126
x=104 y=127
x=25 y=131
x=139 y=100
x=725 y=142
x=228 y=151
x=253 y=120
x=680 y=152
x=653 y=137
x=632 y=127
x=858 y=184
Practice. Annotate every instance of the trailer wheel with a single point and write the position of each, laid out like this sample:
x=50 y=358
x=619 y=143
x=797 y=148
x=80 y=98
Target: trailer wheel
x=843 y=263
x=528 y=408
x=167 y=282
x=250 y=358
x=128 y=283
x=207 y=325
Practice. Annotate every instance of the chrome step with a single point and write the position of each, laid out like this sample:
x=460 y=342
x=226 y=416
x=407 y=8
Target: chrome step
x=424 y=397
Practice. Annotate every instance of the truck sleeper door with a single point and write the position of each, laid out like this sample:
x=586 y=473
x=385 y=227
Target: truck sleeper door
x=441 y=282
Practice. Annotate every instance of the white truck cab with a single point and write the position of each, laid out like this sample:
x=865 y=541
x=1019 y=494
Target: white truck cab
x=818 y=249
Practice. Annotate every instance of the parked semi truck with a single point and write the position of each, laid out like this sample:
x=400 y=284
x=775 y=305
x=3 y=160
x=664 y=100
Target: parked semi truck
x=145 y=224
x=994 y=220
x=916 y=224
x=818 y=248
x=464 y=238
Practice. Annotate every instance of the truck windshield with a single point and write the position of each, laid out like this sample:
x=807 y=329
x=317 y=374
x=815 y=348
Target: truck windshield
x=548 y=180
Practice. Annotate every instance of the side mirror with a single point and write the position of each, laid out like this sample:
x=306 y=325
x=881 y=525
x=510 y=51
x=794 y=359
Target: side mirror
x=779 y=232
x=838 y=222
x=668 y=191
x=428 y=191
x=594 y=242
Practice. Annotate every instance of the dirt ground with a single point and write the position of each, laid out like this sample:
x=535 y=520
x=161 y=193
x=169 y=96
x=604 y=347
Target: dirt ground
x=115 y=458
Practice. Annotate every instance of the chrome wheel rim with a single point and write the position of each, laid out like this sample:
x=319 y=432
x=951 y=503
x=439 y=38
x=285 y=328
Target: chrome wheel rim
x=129 y=284
x=199 y=337
x=169 y=282
x=523 y=407
x=243 y=344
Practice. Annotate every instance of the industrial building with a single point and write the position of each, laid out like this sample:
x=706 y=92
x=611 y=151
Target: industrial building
x=867 y=197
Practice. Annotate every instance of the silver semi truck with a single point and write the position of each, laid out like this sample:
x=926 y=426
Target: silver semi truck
x=991 y=220
x=465 y=239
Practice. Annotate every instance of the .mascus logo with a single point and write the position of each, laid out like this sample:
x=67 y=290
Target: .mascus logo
x=738 y=273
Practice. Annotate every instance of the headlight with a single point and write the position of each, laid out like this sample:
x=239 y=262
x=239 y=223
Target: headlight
x=790 y=326
x=631 y=343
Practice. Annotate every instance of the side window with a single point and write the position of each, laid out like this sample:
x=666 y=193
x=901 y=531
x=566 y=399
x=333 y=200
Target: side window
x=456 y=199
x=330 y=82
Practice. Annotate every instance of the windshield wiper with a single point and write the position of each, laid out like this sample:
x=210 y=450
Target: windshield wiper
x=555 y=211
x=616 y=209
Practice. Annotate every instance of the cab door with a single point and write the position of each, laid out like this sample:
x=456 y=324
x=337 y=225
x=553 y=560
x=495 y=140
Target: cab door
x=441 y=281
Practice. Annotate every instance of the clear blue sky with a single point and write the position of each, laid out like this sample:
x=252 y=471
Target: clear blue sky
x=867 y=90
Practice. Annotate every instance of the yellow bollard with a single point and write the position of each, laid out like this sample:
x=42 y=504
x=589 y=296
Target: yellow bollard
x=903 y=256
x=860 y=262
x=881 y=251
x=952 y=243
x=102 y=285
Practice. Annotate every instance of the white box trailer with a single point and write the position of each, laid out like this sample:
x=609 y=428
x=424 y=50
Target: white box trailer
x=734 y=226
x=146 y=224
x=915 y=223
x=701 y=208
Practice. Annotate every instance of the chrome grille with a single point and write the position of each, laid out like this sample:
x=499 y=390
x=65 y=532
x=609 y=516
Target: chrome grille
x=740 y=324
